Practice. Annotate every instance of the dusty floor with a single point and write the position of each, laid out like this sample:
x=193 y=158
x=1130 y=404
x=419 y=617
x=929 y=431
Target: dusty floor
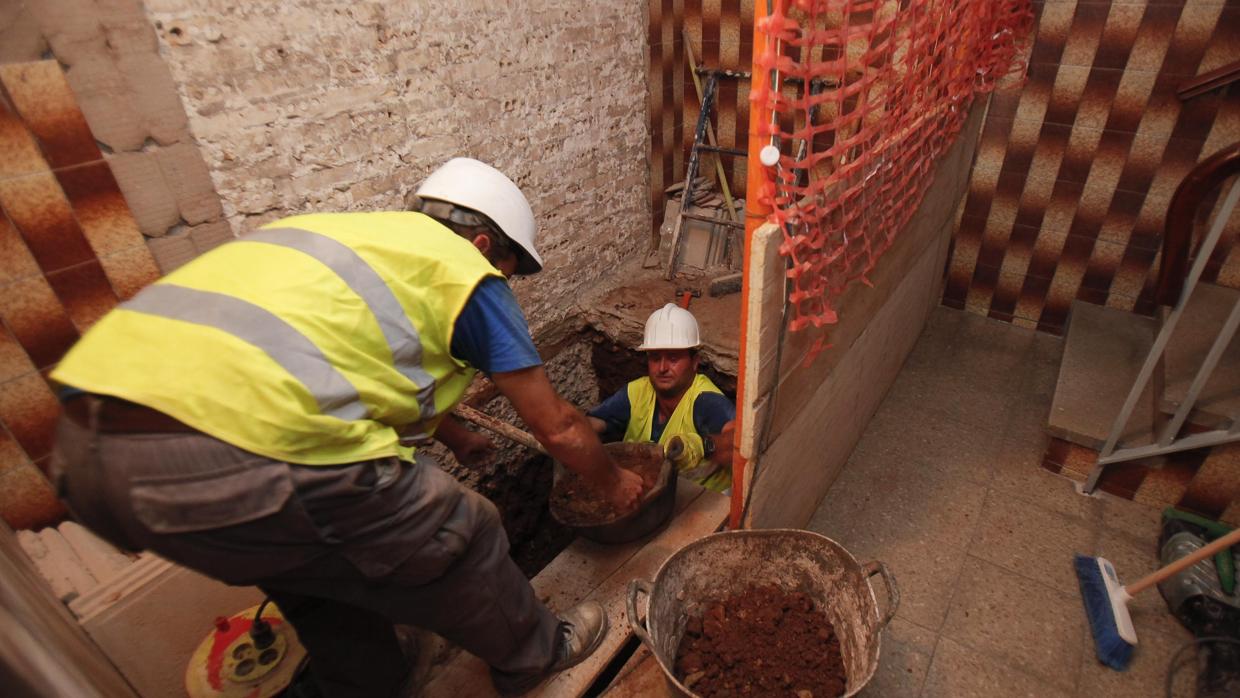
x=946 y=488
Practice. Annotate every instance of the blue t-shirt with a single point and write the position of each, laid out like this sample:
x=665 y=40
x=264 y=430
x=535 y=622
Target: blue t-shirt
x=491 y=333
x=710 y=412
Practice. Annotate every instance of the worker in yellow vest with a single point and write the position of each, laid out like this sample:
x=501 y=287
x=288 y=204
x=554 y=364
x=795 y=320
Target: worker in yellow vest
x=674 y=401
x=255 y=415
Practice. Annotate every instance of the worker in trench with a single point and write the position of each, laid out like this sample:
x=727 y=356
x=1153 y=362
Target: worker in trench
x=243 y=417
x=673 y=401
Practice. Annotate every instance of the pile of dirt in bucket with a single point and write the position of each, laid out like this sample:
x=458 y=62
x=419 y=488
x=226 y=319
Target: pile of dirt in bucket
x=577 y=503
x=762 y=642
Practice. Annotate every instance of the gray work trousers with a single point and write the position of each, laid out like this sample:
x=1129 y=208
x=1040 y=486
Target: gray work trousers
x=344 y=551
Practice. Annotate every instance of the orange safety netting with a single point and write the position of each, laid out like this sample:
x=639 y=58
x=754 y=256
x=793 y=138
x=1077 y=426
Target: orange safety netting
x=872 y=93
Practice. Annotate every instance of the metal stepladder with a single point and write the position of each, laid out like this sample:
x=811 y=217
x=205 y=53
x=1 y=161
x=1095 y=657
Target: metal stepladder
x=1210 y=173
x=704 y=141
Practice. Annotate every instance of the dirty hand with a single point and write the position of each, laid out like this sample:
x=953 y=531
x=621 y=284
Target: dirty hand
x=627 y=490
x=474 y=450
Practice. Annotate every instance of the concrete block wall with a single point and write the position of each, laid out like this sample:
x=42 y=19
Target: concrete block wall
x=109 y=52
x=341 y=105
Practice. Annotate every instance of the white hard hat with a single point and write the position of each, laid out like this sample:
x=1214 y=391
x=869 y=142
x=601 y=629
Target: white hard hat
x=670 y=327
x=477 y=186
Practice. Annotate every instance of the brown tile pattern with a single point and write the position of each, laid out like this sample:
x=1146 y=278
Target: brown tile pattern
x=69 y=250
x=1076 y=168
x=1205 y=481
x=721 y=36
x=46 y=104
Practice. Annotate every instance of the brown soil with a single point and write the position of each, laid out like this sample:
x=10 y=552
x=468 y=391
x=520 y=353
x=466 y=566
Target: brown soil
x=576 y=503
x=763 y=642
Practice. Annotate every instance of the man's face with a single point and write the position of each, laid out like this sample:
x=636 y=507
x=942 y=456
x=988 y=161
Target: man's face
x=671 y=370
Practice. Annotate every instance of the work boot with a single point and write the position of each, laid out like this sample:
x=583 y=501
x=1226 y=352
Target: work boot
x=582 y=629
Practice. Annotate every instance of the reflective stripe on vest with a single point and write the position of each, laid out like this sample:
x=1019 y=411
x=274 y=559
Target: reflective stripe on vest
x=335 y=395
x=402 y=338
x=320 y=340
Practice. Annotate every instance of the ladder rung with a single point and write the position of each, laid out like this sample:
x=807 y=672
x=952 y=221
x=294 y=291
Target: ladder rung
x=716 y=221
x=734 y=74
x=720 y=149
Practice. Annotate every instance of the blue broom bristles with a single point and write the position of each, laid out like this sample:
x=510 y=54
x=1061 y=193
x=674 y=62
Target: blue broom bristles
x=1112 y=649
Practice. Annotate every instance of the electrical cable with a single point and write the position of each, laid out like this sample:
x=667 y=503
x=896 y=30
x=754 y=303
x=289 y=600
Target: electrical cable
x=1175 y=657
x=260 y=630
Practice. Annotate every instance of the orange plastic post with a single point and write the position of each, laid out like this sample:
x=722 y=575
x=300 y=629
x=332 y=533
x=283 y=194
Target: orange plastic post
x=755 y=215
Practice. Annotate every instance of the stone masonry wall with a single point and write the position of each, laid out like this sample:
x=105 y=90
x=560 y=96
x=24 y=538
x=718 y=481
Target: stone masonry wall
x=332 y=105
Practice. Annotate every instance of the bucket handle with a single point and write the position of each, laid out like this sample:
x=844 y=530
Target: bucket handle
x=639 y=626
x=874 y=567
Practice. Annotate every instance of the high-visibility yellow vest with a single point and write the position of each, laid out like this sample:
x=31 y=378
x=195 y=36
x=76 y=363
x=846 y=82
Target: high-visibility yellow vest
x=310 y=340
x=641 y=425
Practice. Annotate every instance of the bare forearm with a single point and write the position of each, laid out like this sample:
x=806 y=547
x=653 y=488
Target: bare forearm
x=451 y=432
x=572 y=440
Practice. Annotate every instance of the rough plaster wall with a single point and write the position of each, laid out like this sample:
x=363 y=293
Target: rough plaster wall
x=333 y=105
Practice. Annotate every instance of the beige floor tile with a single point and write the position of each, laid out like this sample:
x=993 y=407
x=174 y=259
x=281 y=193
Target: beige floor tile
x=1019 y=473
x=941 y=443
x=965 y=367
x=918 y=525
x=904 y=659
x=956 y=393
x=1146 y=675
x=909 y=502
x=960 y=672
x=1140 y=523
x=1018 y=621
x=1032 y=541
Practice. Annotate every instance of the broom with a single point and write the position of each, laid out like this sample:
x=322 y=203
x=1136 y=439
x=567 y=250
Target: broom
x=1106 y=602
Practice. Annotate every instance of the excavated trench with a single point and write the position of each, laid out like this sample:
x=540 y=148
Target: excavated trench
x=588 y=367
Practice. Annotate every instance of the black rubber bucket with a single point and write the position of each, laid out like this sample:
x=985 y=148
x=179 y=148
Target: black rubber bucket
x=654 y=511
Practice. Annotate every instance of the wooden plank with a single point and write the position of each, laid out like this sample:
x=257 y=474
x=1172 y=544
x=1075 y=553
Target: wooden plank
x=762 y=330
x=588 y=570
x=702 y=518
x=641 y=677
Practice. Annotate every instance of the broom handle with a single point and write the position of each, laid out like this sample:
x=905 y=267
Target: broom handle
x=490 y=423
x=1187 y=561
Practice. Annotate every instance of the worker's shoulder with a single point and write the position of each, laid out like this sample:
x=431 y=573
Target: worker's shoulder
x=350 y=220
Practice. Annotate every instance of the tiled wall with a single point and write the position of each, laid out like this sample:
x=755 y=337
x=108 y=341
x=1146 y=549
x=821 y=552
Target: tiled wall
x=721 y=36
x=124 y=88
x=102 y=189
x=1075 y=171
x=69 y=251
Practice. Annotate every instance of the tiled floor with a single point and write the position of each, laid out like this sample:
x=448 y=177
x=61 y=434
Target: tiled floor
x=946 y=488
